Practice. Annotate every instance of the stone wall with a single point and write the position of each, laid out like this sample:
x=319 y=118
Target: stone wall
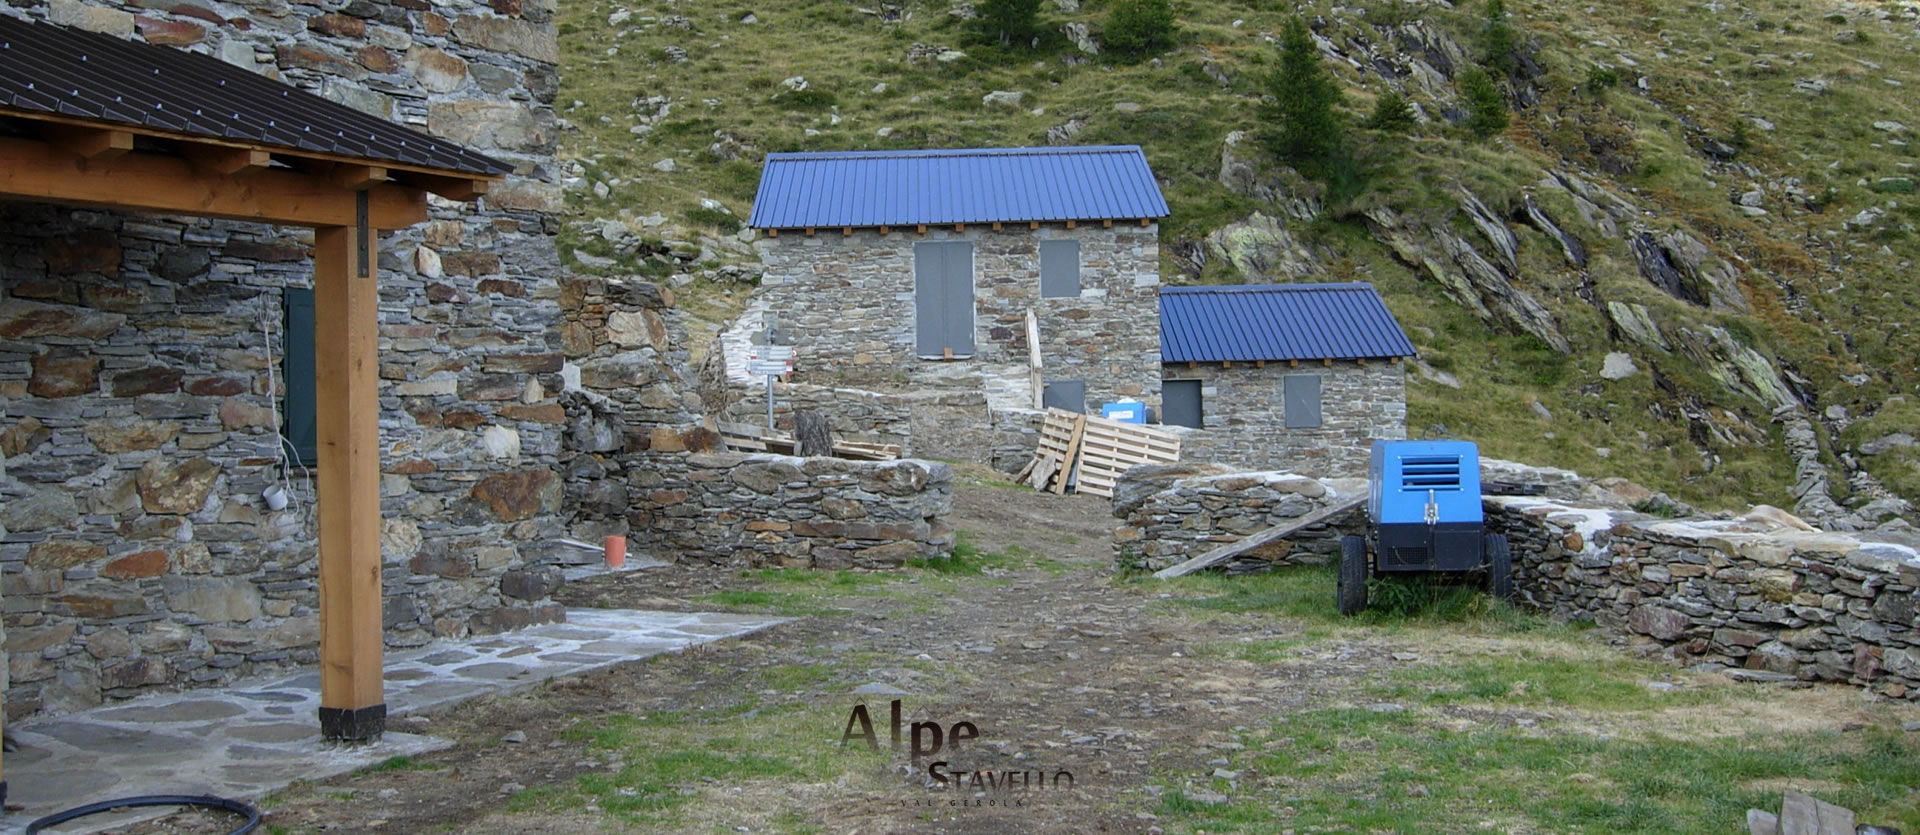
x=136 y=417
x=1170 y=514
x=855 y=414
x=1780 y=603
x=849 y=303
x=1242 y=408
x=776 y=510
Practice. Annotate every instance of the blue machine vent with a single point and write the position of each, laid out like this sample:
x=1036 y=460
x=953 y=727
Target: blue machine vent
x=1439 y=473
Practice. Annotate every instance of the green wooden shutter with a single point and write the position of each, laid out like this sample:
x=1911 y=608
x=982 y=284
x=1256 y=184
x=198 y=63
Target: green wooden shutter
x=298 y=413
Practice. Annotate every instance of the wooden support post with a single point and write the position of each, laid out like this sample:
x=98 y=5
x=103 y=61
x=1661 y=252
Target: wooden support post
x=1259 y=363
x=959 y=227
x=346 y=324
x=1033 y=226
x=1326 y=361
x=883 y=230
x=773 y=233
x=1144 y=222
x=1361 y=361
x=1192 y=365
x=1293 y=363
x=1393 y=360
x=1226 y=363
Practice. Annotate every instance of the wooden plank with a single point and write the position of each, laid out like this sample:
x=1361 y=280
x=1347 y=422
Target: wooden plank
x=1802 y=814
x=89 y=143
x=356 y=177
x=217 y=159
x=36 y=171
x=1227 y=552
x=346 y=325
x=1073 y=454
x=1034 y=376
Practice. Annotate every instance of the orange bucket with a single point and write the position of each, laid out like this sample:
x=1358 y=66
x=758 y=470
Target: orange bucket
x=616 y=551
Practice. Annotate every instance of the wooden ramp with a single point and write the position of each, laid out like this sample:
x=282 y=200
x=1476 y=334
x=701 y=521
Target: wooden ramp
x=1234 y=549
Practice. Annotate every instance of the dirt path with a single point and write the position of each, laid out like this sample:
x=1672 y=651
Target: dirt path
x=1059 y=667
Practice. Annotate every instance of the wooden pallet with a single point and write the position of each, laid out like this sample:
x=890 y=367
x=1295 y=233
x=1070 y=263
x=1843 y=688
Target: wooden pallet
x=1112 y=448
x=1089 y=453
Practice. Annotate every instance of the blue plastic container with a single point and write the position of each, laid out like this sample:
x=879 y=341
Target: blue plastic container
x=1126 y=412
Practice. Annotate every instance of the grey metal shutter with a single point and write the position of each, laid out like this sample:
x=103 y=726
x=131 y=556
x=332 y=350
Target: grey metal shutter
x=943 y=298
x=1180 y=403
x=1059 y=269
x=300 y=408
x=1302 y=392
x=1070 y=395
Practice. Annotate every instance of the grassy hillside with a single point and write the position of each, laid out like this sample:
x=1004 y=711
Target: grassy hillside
x=1677 y=110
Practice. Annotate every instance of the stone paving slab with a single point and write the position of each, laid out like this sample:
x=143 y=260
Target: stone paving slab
x=260 y=735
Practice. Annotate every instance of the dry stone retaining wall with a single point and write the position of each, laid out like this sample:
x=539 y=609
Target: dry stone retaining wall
x=1799 y=604
x=1174 y=513
x=854 y=414
x=777 y=510
x=136 y=422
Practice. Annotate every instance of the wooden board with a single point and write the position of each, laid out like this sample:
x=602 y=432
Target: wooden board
x=1231 y=550
x=1034 y=374
x=1073 y=453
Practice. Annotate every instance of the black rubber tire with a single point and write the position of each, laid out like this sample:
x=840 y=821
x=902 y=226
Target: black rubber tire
x=1352 y=592
x=1499 y=568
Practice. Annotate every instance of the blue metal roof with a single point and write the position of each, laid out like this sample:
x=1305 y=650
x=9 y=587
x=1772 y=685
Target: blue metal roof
x=982 y=185
x=1250 y=322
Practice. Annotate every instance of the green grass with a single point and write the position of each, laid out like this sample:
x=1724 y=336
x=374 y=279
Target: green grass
x=403 y=763
x=1359 y=770
x=788 y=604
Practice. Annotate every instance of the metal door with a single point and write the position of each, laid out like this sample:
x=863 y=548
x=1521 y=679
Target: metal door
x=1180 y=403
x=943 y=299
x=1070 y=395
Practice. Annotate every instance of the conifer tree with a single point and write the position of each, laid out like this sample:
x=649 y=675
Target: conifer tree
x=1391 y=114
x=1500 y=42
x=1010 y=21
x=1486 y=107
x=1306 y=129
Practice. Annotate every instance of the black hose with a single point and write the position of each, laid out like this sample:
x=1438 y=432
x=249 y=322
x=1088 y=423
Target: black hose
x=206 y=800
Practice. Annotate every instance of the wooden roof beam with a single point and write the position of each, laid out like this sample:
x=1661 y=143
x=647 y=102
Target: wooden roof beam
x=88 y=143
x=458 y=189
x=357 y=177
x=225 y=160
x=31 y=170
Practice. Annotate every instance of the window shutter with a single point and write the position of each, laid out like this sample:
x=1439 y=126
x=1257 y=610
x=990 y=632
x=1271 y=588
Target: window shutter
x=1181 y=406
x=298 y=409
x=1302 y=394
x=1059 y=269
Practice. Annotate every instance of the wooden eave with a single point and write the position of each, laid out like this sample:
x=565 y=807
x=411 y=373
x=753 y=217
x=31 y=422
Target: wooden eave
x=113 y=165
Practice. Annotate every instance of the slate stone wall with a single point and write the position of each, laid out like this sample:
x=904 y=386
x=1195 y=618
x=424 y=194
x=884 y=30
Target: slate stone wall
x=136 y=353
x=855 y=414
x=777 y=511
x=1244 y=416
x=1170 y=514
x=1784 y=604
x=849 y=303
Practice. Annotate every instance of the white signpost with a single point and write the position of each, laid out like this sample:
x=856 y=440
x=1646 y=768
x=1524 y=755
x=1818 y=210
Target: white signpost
x=770 y=361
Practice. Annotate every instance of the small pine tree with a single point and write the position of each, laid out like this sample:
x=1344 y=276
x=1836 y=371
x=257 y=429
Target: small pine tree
x=1010 y=21
x=1501 y=44
x=1306 y=130
x=1391 y=114
x=1486 y=107
x=1137 y=27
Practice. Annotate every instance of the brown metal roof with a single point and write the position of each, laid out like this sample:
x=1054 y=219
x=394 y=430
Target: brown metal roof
x=50 y=69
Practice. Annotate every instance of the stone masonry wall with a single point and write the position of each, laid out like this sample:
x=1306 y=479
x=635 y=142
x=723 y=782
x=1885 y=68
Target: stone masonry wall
x=1170 y=514
x=135 y=412
x=1243 y=409
x=776 y=510
x=849 y=303
x=1778 y=603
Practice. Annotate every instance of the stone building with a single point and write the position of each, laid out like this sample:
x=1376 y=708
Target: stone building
x=157 y=370
x=1294 y=377
x=917 y=269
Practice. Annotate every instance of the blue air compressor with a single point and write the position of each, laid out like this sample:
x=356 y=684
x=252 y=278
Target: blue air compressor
x=1423 y=515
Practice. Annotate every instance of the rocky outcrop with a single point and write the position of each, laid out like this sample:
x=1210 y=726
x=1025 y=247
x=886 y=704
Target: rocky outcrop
x=1682 y=267
x=1465 y=275
x=1263 y=250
